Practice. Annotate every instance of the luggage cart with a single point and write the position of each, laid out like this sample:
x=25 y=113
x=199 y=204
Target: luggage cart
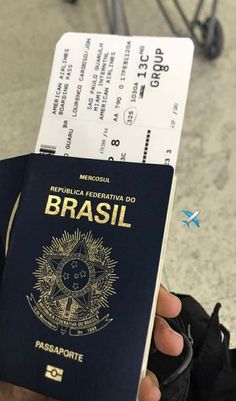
x=211 y=32
x=207 y=34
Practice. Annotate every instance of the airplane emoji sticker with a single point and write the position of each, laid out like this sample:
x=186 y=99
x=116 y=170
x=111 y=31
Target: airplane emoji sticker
x=192 y=217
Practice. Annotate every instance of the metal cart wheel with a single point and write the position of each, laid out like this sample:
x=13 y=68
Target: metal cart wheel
x=212 y=41
x=211 y=32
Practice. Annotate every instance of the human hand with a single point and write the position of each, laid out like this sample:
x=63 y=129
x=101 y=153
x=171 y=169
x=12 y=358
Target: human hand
x=166 y=340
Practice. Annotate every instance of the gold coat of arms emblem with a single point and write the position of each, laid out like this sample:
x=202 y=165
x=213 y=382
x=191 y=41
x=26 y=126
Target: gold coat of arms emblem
x=74 y=280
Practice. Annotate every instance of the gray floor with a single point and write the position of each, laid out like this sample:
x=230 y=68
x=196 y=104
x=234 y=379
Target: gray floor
x=198 y=261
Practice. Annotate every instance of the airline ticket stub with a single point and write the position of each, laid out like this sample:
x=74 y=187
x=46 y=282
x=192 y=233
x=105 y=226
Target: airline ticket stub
x=117 y=98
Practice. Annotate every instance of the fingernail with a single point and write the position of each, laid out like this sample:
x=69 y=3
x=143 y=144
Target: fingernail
x=174 y=296
x=155 y=387
x=157 y=393
x=171 y=294
x=178 y=335
x=154 y=381
x=166 y=324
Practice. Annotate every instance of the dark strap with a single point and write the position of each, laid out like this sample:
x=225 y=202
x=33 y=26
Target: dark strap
x=212 y=376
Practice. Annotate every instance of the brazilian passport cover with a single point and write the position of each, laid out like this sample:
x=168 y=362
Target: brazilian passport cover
x=79 y=287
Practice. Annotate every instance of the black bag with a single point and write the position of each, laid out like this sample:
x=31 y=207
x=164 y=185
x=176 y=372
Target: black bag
x=206 y=370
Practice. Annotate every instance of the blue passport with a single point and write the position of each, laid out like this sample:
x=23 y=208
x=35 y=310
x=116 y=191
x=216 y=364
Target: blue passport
x=80 y=281
x=12 y=173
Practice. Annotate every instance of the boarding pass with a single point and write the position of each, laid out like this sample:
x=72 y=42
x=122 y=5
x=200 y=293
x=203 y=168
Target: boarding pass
x=117 y=98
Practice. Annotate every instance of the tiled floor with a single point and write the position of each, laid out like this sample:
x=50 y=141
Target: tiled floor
x=198 y=261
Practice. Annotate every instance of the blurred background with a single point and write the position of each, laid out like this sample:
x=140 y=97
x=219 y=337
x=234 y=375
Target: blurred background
x=200 y=262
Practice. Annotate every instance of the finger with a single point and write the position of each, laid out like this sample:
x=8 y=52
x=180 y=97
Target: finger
x=168 y=305
x=149 y=388
x=166 y=339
